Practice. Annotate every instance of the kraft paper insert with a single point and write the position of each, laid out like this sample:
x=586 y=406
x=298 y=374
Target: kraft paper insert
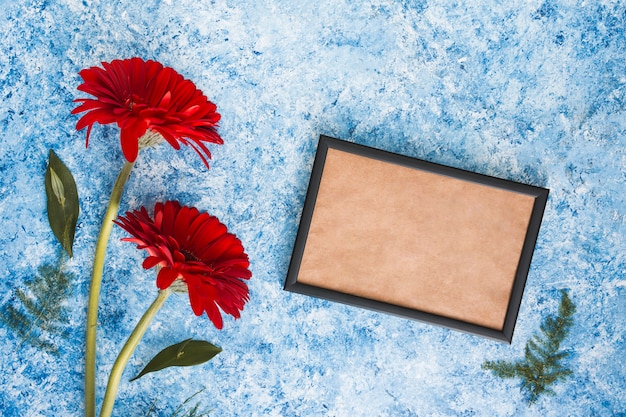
x=414 y=238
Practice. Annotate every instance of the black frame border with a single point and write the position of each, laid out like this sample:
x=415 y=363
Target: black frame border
x=506 y=334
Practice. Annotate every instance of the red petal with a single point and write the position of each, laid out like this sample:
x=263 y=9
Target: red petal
x=208 y=231
x=150 y=262
x=181 y=225
x=165 y=278
x=130 y=139
x=101 y=116
x=158 y=215
x=165 y=101
x=170 y=210
x=159 y=87
x=220 y=246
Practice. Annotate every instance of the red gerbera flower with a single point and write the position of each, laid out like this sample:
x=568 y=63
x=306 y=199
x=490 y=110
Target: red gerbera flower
x=143 y=96
x=196 y=251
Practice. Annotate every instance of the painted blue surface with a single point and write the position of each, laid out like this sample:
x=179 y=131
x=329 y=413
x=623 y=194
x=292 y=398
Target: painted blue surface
x=531 y=91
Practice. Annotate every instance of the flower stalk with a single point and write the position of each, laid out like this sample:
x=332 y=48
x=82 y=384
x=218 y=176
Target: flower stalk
x=127 y=351
x=94 y=290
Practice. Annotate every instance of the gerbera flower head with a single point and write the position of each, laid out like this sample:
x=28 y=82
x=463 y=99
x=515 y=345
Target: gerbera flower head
x=145 y=98
x=194 y=251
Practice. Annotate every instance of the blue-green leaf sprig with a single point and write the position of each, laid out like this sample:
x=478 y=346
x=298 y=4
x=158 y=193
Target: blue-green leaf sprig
x=543 y=364
x=184 y=410
x=38 y=314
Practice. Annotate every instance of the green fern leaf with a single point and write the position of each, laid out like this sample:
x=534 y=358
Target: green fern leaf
x=192 y=412
x=182 y=410
x=38 y=312
x=542 y=365
x=501 y=369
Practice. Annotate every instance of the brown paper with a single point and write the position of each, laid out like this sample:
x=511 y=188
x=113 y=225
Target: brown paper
x=415 y=239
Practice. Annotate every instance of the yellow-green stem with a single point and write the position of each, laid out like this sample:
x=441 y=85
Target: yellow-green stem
x=94 y=289
x=127 y=351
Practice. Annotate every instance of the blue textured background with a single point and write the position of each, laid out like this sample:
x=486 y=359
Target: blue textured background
x=532 y=91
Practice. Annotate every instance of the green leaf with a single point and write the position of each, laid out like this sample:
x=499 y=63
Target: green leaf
x=62 y=201
x=186 y=353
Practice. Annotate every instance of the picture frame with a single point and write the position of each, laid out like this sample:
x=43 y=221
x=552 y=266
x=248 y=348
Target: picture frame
x=416 y=239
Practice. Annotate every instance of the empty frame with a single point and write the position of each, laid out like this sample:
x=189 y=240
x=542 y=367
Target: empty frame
x=416 y=239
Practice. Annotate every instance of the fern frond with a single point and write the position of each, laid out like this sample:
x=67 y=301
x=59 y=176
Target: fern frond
x=542 y=365
x=182 y=410
x=20 y=324
x=39 y=310
x=501 y=368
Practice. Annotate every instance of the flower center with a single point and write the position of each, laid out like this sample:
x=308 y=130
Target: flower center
x=190 y=256
x=132 y=100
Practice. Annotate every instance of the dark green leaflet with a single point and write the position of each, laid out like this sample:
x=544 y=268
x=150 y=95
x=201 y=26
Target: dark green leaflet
x=37 y=313
x=543 y=363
